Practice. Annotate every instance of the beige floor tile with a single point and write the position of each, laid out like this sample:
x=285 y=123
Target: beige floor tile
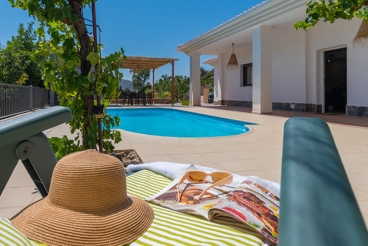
x=237 y=166
x=153 y=158
x=169 y=141
x=361 y=195
x=276 y=171
x=270 y=152
x=20 y=180
x=150 y=139
x=352 y=175
x=211 y=164
x=363 y=205
x=356 y=168
x=122 y=146
x=167 y=145
x=145 y=145
x=190 y=158
x=360 y=184
x=191 y=142
x=151 y=151
x=16 y=197
x=365 y=217
x=262 y=146
x=247 y=154
x=267 y=163
x=230 y=147
x=180 y=150
x=9 y=212
x=19 y=168
x=216 y=157
x=205 y=149
x=352 y=158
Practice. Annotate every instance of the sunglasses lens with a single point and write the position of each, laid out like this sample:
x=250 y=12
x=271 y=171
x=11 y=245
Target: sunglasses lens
x=196 y=176
x=217 y=176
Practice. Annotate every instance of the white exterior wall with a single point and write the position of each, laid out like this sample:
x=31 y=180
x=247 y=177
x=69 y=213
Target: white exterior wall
x=297 y=65
x=232 y=77
x=325 y=36
x=288 y=65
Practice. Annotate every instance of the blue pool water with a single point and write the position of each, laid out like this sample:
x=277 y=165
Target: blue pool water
x=176 y=123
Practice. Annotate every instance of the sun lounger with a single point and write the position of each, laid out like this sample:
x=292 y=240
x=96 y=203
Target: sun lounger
x=317 y=207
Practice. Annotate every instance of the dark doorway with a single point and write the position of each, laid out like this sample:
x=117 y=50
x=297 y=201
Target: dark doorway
x=335 y=81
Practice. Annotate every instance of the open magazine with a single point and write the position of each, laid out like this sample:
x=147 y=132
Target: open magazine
x=254 y=202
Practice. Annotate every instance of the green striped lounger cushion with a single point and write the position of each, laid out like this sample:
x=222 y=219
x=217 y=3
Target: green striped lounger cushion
x=168 y=227
x=10 y=236
x=173 y=228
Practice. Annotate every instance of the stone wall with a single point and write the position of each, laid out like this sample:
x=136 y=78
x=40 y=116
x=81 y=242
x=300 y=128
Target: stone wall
x=357 y=111
x=163 y=100
x=300 y=107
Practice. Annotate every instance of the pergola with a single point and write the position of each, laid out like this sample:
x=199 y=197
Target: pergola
x=136 y=63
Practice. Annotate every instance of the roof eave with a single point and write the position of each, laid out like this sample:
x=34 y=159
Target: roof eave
x=249 y=19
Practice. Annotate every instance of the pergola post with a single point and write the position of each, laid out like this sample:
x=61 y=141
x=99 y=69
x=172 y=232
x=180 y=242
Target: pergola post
x=148 y=63
x=153 y=86
x=172 y=83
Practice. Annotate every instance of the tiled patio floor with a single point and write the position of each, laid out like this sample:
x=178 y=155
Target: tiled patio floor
x=255 y=153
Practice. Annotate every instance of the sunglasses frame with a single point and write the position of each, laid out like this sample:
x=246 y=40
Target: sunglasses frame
x=226 y=180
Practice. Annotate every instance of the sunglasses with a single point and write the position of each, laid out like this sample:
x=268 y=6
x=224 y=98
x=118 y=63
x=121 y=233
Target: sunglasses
x=196 y=177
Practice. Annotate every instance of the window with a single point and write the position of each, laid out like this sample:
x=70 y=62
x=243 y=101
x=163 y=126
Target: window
x=247 y=74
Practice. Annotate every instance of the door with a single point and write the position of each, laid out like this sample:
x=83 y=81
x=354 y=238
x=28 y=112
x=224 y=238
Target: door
x=335 y=81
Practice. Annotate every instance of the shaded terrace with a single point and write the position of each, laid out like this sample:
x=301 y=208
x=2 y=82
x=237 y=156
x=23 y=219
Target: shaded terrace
x=137 y=63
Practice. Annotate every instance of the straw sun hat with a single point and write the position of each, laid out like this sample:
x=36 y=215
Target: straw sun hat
x=87 y=205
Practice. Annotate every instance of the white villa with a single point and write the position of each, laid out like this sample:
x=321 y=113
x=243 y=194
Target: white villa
x=318 y=70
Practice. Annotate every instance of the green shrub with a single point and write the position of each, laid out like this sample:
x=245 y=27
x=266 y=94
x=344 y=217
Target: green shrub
x=167 y=94
x=185 y=102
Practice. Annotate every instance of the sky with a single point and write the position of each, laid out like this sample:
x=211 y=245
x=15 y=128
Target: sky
x=152 y=28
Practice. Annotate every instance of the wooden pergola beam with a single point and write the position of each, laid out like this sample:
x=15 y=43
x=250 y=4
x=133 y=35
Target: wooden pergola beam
x=142 y=63
x=135 y=63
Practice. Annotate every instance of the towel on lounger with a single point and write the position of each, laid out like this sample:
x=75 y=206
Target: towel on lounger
x=174 y=170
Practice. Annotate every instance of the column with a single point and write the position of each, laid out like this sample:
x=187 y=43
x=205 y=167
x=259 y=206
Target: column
x=219 y=80
x=194 y=91
x=262 y=70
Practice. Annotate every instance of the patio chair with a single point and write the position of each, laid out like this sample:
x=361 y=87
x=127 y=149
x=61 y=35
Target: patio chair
x=124 y=97
x=141 y=96
x=317 y=205
x=149 y=97
x=132 y=98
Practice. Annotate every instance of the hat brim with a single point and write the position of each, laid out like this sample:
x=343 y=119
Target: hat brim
x=44 y=222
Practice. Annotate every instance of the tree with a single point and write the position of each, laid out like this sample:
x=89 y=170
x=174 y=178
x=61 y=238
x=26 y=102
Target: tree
x=16 y=66
x=140 y=80
x=330 y=10
x=181 y=86
x=73 y=70
x=202 y=71
x=163 y=85
x=207 y=80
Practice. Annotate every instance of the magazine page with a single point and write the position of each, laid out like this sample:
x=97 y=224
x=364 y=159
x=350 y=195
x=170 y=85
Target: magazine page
x=186 y=200
x=254 y=202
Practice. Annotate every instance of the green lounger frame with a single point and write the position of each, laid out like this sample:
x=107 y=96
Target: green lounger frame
x=22 y=139
x=317 y=203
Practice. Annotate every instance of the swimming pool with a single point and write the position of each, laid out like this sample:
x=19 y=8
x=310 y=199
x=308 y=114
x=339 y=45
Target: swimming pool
x=176 y=123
